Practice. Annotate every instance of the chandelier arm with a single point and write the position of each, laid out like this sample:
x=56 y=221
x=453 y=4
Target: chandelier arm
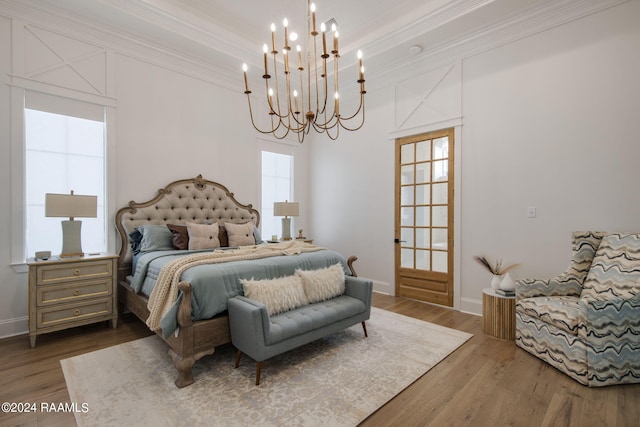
x=328 y=124
x=360 y=108
x=336 y=105
x=359 y=126
x=286 y=129
x=269 y=98
x=273 y=129
x=302 y=97
x=326 y=88
x=295 y=128
x=276 y=84
x=315 y=60
x=289 y=103
x=300 y=136
x=334 y=137
x=311 y=41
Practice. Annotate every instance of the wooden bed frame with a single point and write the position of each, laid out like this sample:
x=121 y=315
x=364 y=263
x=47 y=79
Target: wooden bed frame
x=194 y=200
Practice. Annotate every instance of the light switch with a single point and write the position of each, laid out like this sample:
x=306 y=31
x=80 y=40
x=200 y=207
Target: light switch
x=531 y=212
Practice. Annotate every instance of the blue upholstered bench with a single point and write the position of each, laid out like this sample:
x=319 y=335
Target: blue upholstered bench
x=259 y=335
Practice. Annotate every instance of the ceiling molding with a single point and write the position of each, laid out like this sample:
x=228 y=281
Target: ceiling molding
x=507 y=30
x=211 y=53
x=122 y=43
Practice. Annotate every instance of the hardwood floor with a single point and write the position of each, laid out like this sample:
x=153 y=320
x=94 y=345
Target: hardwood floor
x=486 y=382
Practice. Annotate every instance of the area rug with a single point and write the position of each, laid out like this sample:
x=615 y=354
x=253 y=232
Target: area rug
x=336 y=381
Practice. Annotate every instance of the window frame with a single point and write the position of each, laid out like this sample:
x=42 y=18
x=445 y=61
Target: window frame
x=291 y=186
x=18 y=166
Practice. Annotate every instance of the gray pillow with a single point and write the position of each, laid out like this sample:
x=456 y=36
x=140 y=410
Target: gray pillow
x=155 y=237
x=257 y=235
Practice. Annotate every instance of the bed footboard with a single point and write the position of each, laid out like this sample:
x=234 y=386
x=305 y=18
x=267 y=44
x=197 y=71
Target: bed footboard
x=194 y=340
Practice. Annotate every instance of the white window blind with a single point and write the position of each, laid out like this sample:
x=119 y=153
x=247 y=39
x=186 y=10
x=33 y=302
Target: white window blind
x=277 y=186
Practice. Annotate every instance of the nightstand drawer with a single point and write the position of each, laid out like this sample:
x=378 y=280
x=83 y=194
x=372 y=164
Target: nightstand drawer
x=71 y=292
x=65 y=272
x=52 y=316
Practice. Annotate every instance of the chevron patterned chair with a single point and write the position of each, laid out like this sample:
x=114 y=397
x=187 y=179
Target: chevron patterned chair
x=586 y=321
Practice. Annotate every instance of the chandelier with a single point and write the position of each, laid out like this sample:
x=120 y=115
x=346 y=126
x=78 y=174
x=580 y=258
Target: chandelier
x=303 y=98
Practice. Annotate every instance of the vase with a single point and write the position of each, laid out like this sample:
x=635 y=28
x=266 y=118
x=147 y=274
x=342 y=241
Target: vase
x=507 y=283
x=496 y=279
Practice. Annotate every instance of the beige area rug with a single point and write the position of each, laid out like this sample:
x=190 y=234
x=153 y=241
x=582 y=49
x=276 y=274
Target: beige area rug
x=336 y=381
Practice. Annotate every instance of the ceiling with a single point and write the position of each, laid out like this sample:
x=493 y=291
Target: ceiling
x=222 y=34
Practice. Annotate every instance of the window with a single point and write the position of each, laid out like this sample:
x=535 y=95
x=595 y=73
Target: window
x=64 y=151
x=277 y=186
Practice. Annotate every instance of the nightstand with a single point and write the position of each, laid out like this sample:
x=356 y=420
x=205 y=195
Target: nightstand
x=498 y=314
x=69 y=292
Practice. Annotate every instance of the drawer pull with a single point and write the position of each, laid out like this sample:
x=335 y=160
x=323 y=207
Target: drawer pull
x=76 y=292
x=76 y=312
x=76 y=272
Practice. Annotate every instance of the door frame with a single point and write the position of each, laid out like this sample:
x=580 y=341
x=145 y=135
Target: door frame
x=453 y=223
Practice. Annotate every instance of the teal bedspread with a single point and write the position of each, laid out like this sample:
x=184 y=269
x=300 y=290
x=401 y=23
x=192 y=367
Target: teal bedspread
x=214 y=284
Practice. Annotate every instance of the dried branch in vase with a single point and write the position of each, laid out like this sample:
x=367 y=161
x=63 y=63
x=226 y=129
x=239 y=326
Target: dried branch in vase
x=494 y=268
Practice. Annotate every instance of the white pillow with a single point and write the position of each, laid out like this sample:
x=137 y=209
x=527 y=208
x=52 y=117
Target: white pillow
x=279 y=295
x=203 y=236
x=240 y=234
x=322 y=284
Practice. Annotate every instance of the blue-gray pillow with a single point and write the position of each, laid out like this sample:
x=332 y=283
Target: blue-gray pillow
x=155 y=237
x=257 y=235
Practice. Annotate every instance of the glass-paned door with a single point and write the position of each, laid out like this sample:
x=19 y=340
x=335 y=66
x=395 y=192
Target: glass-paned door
x=424 y=217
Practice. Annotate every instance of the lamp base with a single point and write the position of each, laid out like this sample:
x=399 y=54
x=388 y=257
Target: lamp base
x=286 y=228
x=71 y=240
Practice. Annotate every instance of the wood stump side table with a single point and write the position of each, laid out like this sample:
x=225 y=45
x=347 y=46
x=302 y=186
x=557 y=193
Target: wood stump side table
x=498 y=315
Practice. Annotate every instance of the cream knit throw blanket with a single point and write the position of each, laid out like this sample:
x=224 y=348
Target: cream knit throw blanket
x=165 y=292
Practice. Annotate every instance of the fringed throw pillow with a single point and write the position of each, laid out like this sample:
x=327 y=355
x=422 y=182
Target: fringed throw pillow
x=279 y=295
x=322 y=284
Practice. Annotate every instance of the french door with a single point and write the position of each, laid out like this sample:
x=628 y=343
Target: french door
x=424 y=217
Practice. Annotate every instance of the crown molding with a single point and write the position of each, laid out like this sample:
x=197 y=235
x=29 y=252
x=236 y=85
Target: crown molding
x=214 y=55
x=122 y=43
x=513 y=27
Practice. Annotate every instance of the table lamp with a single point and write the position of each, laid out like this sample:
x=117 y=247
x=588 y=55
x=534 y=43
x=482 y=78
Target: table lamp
x=286 y=209
x=72 y=206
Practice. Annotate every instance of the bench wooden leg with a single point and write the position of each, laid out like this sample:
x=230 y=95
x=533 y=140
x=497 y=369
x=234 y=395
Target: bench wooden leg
x=258 y=372
x=364 y=327
x=238 y=359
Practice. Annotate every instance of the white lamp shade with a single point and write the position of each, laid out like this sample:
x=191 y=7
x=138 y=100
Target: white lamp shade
x=286 y=209
x=70 y=205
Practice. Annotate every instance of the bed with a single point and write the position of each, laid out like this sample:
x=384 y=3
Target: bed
x=194 y=331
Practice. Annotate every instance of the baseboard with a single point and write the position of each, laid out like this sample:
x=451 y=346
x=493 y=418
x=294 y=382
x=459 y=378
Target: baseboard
x=383 y=288
x=471 y=306
x=13 y=327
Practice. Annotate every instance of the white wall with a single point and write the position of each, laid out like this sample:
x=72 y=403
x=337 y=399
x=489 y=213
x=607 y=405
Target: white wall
x=550 y=121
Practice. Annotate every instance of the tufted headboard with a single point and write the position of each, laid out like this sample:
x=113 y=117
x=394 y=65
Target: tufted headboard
x=187 y=200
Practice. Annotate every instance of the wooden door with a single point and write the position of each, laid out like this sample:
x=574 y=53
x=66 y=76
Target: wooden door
x=424 y=217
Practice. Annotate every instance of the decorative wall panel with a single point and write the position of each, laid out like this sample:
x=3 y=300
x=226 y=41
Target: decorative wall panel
x=430 y=98
x=44 y=56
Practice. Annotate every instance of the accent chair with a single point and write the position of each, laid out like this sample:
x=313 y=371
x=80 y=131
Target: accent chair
x=586 y=321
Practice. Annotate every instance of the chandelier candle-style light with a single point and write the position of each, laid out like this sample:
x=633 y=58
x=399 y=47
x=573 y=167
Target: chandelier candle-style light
x=314 y=106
